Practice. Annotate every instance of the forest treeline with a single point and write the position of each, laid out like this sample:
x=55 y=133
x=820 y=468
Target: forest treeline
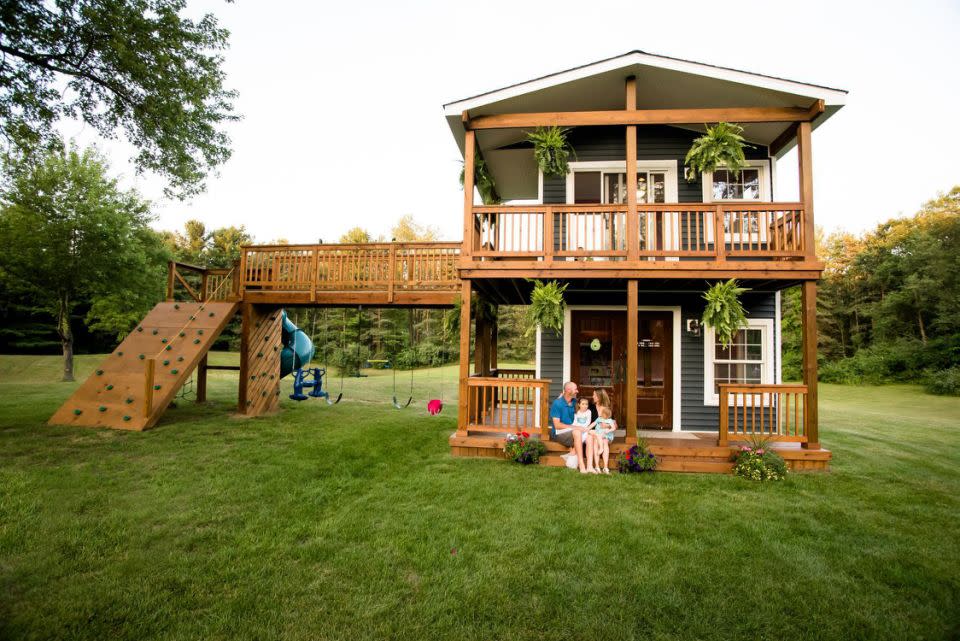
x=888 y=304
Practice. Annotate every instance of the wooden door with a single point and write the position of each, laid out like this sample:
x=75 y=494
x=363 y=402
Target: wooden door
x=598 y=355
x=655 y=370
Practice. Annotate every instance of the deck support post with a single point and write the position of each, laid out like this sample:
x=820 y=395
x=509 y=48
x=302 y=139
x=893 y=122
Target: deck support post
x=633 y=232
x=202 y=380
x=469 y=153
x=805 y=161
x=462 y=404
x=809 y=328
x=630 y=395
x=246 y=319
x=494 y=335
x=480 y=351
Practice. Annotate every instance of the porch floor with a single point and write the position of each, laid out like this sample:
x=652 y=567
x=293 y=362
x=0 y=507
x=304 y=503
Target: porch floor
x=680 y=452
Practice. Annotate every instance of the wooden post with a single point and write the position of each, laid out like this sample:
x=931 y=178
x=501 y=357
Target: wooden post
x=202 y=380
x=204 y=283
x=805 y=159
x=480 y=346
x=171 y=275
x=246 y=319
x=469 y=150
x=724 y=435
x=633 y=231
x=548 y=236
x=465 y=293
x=149 y=371
x=630 y=397
x=809 y=329
x=392 y=268
x=494 y=335
x=719 y=234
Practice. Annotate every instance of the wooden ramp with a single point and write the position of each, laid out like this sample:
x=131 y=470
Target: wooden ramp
x=171 y=340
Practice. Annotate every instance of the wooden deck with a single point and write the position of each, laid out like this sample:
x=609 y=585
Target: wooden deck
x=701 y=454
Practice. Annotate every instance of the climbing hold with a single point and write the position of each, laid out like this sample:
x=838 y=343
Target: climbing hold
x=182 y=334
x=109 y=387
x=257 y=324
x=139 y=329
x=200 y=331
x=259 y=354
x=119 y=353
x=271 y=377
x=211 y=314
x=99 y=372
x=141 y=357
x=264 y=393
x=174 y=371
x=248 y=404
x=168 y=347
x=196 y=341
x=177 y=306
x=253 y=377
x=156 y=387
x=180 y=359
x=129 y=400
x=193 y=318
x=166 y=362
x=274 y=348
x=163 y=340
x=126 y=417
x=102 y=408
x=156 y=331
x=77 y=412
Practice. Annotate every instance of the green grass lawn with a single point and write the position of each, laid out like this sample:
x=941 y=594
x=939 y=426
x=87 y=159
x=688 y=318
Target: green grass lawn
x=353 y=521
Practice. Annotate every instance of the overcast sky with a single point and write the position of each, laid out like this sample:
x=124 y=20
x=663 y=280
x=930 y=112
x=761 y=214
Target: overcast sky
x=342 y=105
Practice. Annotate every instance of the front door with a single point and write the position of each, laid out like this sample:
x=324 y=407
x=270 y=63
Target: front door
x=597 y=354
x=655 y=370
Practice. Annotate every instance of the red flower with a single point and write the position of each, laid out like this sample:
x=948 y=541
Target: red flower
x=525 y=434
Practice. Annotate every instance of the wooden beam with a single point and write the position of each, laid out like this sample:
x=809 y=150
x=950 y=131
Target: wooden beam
x=246 y=320
x=633 y=235
x=494 y=336
x=469 y=151
x=202 y=380
x=809 y=329
x=805 y=160
x=783 y=139
x=630 y=400
x=465 y=294
x=641 y=117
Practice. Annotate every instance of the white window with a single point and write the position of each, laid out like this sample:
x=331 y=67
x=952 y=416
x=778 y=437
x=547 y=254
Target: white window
x=751 y=184
x=605 y=182
x=747 y=360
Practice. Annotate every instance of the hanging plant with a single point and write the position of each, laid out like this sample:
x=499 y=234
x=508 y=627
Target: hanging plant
x=479 y=309
x=482 y=180
x=721 y=146
x=724 y=312
x=551 y=149
x=547 y=307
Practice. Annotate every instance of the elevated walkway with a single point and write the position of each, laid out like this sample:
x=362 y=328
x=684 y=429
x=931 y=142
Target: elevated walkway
x=133 y=386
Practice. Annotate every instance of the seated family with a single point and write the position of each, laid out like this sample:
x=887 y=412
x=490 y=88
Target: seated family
x=587 y=430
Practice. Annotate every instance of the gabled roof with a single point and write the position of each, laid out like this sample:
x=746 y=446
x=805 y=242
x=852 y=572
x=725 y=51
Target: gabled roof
x=662 y=83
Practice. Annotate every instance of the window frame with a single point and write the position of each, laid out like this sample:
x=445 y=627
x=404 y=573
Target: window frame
x=767 y=373
x=764 y=178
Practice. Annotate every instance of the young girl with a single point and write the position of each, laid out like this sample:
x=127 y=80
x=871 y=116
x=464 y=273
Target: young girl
x=583 y=417
x=603 y=429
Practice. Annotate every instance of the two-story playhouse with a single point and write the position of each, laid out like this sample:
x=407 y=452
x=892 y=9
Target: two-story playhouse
x=636 y=243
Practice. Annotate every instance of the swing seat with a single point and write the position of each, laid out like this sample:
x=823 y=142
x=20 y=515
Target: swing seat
x=334 y=402
x=435 y=406
x=399 y=405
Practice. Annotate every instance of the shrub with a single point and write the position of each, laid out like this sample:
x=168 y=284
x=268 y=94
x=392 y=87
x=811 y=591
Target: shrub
x=636 y=460
x=758 y=462
x=520 y=448
x=945 y=382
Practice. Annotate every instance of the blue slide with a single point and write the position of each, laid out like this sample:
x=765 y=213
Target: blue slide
x=297 y=350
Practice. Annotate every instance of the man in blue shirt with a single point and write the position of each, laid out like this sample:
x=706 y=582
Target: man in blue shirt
x=563 y=431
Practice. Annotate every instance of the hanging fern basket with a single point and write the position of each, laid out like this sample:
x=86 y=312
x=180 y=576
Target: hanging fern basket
x=722 y=146
x=483 y=181
x=551 y=150
x=547 y=307
x=724 y=312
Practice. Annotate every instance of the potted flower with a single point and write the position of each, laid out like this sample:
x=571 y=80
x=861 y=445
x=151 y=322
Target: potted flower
x=551 y=149
x=637 y=459
x=721 y=146
x=522 y=449
x=758 y=462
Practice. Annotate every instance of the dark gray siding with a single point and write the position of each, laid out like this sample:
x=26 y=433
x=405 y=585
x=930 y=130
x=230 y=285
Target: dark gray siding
x=654 y=142
x=694 y=414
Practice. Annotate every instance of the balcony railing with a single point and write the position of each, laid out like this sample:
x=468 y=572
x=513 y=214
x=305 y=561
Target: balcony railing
x=427 y=266
x=686 y=231
x=498 y=405
x=776 y=412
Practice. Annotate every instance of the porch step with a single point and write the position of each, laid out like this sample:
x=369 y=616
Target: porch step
x=666 y=464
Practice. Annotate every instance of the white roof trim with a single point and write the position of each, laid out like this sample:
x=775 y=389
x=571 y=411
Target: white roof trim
x=830 y=96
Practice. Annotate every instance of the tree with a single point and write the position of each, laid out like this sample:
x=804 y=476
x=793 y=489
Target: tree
x=356 y=235
x=78 y=239
x=135 y=65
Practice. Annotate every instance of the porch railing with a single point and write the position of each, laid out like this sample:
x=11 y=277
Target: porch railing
x=514 y=373
x=712 y=231
x=777 y=412
x=202 y=283
x=507 y=405
x=427 y=266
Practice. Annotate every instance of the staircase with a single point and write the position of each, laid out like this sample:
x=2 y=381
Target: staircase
x=133 y=386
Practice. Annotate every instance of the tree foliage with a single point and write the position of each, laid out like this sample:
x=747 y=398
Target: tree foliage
x=78 y=239
x=133 y=65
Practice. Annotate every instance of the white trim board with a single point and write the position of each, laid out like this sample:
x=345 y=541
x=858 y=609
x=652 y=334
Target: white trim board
x=677 y=391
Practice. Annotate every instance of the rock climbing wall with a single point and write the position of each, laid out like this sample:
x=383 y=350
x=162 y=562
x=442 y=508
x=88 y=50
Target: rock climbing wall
x=133 y=386
x=260 y=360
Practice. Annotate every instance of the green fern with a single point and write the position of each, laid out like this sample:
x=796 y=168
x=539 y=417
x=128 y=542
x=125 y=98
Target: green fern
x=483 y=181
x=724 y=311
x=551 y=149
x=547 y=306
x=721 y=146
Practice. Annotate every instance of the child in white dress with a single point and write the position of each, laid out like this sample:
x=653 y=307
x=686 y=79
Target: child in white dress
x=583 y=416
x=602 y=433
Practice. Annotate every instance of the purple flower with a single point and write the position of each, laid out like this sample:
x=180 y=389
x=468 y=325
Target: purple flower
x=650 y=455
